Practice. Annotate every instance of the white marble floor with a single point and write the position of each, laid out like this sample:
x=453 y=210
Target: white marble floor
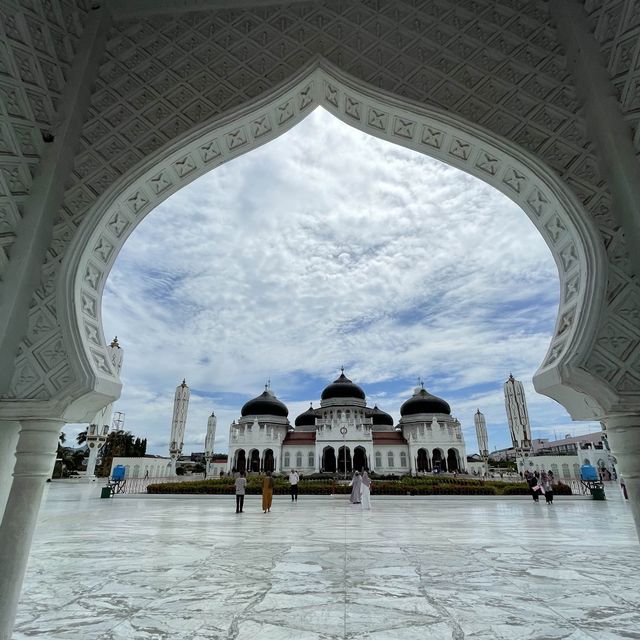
x=191 y=569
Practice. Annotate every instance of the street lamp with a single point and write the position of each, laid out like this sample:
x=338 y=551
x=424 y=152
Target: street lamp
x=343 y=431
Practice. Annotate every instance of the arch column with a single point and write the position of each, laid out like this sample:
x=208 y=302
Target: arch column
x=35 y=456
x=623 y=435
x=8 y=441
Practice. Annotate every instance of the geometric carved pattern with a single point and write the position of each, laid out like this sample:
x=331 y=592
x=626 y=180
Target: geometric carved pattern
x=493 y=63
x=36 y=49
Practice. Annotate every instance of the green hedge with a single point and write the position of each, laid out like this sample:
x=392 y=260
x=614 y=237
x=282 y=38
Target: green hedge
x=425 y=486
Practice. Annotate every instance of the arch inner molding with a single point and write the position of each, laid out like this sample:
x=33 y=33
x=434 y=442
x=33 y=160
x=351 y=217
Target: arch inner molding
x=555 y=212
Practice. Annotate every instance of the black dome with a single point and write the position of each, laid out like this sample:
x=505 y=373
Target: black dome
x=379 y=416
x=423 y=402
x=266 y=404
x=308 y=418
x=342 y=388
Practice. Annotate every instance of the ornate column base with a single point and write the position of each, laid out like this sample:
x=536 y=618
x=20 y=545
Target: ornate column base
x=8 y=442
x=35 y=456
x=623 y=434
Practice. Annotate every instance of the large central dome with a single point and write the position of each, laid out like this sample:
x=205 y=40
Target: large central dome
x=424 y=402
x=342 y=388
x=266 y=404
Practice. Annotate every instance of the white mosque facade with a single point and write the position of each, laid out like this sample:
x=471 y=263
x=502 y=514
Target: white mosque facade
x=344 y=434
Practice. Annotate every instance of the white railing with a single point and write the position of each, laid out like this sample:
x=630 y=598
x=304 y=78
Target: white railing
x=139 y=485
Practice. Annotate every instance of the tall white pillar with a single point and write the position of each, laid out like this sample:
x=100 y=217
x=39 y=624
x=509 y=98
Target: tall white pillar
x=35 y=457
x=483 y=438
x=8 y=441
x=623 y=436
x=178 y=423
x=209 y=441
x=517 y=414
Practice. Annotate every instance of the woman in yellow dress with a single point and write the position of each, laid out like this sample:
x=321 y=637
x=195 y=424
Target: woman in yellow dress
x=267 y=492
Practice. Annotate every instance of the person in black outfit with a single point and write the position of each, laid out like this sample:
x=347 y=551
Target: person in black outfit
x=241 y=484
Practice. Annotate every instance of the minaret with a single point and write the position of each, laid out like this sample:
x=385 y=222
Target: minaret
x=517 y=414
x=483 y=439
x=98 y=430
x=179 y=422
x=209 y=442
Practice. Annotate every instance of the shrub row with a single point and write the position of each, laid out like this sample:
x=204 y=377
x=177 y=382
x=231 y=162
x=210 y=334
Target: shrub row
x=414 y=486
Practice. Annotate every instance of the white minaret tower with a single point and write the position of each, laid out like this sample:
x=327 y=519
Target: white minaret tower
x=98 y=430
x=209 y=441
x=517 y=415
x=179 y=422
x=483 y=439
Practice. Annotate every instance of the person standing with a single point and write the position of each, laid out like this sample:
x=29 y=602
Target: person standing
x=366 y=490
x=532 y=481
x=547 y=487
x=267 y=492
x=294 y=478
x=241 y=486
x=356 y=491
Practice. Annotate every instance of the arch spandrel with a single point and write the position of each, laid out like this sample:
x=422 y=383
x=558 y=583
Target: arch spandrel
x=482 y=62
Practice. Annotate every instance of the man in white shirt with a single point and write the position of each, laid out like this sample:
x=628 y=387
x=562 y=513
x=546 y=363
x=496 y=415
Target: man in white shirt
x=293 y=481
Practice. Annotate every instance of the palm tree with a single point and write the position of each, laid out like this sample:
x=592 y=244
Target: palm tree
x=81 y=438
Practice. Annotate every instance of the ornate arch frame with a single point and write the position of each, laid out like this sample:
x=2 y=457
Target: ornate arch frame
x=561 y=220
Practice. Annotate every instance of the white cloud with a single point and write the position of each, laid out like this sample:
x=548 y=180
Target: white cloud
x=328 y=247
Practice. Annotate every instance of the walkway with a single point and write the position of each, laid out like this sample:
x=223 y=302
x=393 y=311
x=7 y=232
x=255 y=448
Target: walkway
x=441 y=568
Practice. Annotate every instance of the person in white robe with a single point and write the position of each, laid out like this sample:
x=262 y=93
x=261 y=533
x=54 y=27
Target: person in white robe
x=366 y=490
x=356 y=491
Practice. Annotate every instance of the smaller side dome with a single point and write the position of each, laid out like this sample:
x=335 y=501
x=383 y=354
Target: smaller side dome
x=307 y=418
x=266 y=404
x=379 y=417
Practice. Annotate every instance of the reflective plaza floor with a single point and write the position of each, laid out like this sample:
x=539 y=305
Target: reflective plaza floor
x=433 y=568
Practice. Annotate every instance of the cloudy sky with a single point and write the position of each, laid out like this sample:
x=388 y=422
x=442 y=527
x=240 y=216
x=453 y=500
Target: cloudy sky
x=325 y=248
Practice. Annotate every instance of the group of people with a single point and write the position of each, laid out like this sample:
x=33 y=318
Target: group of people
x=540 y=484
x=360 y=492
x=267 y=490
x=361 y=489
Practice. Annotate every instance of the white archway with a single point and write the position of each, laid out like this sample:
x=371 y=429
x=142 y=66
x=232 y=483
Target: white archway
x=572 y=238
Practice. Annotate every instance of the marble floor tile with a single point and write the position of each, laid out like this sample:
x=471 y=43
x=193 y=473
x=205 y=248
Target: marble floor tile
x=180 y=568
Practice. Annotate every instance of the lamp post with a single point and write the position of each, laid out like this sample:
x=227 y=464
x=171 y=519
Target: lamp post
x=343 y=431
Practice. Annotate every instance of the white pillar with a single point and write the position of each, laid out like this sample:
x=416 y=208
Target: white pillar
x=623 y=435
x=35 y=457
x=94 y=447
x=8 y=441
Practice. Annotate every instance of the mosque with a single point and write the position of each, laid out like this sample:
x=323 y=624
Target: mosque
x=344 y=435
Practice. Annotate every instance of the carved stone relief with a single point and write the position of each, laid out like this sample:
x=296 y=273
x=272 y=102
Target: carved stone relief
x=494 y=63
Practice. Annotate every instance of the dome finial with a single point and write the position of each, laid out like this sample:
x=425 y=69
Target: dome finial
x=342 y=369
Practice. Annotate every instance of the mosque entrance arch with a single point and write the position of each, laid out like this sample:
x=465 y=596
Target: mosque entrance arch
x=240 y=462
x=254 y=461
x=268 y=461
x=344 y=460
x=360 y=459
x=439 y=463
x=329 y=460
x=422 y=460
x=453 y=460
